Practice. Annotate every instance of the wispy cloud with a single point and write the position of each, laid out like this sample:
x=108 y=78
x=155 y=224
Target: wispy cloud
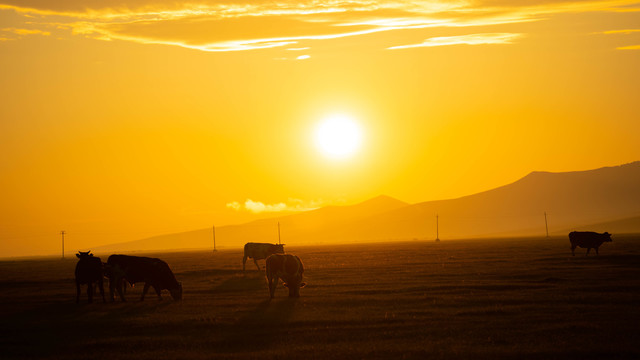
x=292 y=205
x=471 y=39
x=26 y=31
x=630 y=47
x=21 y=32
x=625 y=31
x=232 y=25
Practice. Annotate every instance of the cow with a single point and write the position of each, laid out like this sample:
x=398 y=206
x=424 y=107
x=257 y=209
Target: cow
x=587 y=239
x=89 y=271
x=132 y=269
x=107 y=269
x=259 y=251
x=288 y=268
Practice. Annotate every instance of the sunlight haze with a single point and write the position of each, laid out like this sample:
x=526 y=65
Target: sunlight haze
x=126 y=120
x=338 y=136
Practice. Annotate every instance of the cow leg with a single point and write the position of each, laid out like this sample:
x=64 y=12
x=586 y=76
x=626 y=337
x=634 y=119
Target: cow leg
x=158 y=292
x=244 y=261
x=144 y=291
x=101 y=287
x=596 y=250
x=588 y=249
x=112 y=286
x=90 y=292
x=273 y=283
x=78 y=291
x=573 y=250
x=119 y=288
x=258 y=266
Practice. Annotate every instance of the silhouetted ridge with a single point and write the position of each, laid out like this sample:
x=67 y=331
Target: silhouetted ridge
x=383 y=201
x=604 y=196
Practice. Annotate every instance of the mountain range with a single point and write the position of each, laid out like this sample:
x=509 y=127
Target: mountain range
x=604 y=199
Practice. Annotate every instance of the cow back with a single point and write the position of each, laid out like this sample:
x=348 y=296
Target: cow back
x=588 y=238
x=259 y=251
x=138 y=268
x=285 y=266
x=289 y=268
x=88 y=269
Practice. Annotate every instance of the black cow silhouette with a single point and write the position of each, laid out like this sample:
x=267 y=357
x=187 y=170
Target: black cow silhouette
x=89 y=270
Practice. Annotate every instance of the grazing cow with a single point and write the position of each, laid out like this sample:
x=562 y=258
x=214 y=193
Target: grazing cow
x=587 y=239
x=259 y=251
x=107 y=269
x=89 y=271
x=132 y=269
x=288 y=268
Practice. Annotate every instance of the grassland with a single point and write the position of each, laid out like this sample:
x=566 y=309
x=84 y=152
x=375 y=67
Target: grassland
x=517 y=298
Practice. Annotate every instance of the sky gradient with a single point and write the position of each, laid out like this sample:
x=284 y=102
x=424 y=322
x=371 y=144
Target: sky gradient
x=122 y=120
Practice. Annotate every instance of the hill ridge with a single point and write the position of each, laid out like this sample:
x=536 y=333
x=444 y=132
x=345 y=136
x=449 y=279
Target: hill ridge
x=568 y=198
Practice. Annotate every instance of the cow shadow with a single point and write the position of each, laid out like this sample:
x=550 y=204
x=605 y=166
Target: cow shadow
x=261 y=328
x=241 y=283
x=40 y=331
x=208 y=272
x=620 y=260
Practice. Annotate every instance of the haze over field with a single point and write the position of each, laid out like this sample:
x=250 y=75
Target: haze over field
x=120 y=121
x=606 y=199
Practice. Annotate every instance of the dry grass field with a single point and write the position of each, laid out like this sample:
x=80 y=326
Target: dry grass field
x=519 y=298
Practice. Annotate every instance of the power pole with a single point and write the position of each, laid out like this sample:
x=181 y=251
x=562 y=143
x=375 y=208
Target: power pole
x=437 y=229
x=545 y=224
x=214 y=238
x=62 y=233
x=279 y=233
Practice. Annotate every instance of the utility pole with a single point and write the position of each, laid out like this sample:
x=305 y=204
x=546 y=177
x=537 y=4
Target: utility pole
x=62 y=233
x=214 y=238
x=545 y=224
x=279 y=233
x=437 y=229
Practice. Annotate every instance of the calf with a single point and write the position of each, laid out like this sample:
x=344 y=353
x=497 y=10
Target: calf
x=587 y=239
x=89 y=270
x=288 y=268
x=259 y=251
x=132 y=269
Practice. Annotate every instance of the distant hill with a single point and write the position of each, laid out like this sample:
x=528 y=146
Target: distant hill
x=622 y=226
x=569 y=199
x=609 y=195
x=292 y=227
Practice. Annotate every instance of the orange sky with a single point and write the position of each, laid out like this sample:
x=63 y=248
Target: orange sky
x=122 y=120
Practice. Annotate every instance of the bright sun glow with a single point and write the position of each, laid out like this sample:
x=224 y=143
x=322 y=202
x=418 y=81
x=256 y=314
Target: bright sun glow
x=338 y=136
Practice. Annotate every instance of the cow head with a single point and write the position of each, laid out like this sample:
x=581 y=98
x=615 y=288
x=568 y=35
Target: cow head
x=607 y=237
x=294 y=284
x=82 y=254
x=277 y=249
x=176 y=293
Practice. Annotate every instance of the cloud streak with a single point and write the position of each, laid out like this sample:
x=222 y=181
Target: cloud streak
x=471 y=39
x=624 y=32
x=17 y=33
x=630 y=47
x=219 y=25
x=256 y=207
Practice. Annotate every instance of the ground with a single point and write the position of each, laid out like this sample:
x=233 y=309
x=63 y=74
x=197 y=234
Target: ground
x=506 y=298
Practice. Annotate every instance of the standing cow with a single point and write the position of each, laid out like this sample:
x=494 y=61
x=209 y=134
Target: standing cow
x=89 y=270
x=288 y=268
x=132 y=269
x=259 y=251
x=587 y=239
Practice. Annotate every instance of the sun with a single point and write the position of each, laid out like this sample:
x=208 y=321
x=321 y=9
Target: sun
x=338 y=136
